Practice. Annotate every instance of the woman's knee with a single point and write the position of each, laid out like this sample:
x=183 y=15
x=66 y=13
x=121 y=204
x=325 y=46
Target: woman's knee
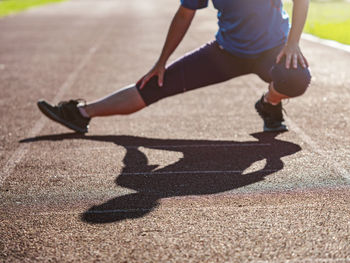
x=290 y=82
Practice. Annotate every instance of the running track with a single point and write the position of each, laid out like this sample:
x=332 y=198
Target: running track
x=191 y=178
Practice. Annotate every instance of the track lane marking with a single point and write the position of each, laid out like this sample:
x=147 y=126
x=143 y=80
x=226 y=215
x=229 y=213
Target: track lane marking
x=168 y=172
x=172 y=146
x=128 y=210
x=199 y=172
x=201 y=145
x=326 y=42
x=22 y=150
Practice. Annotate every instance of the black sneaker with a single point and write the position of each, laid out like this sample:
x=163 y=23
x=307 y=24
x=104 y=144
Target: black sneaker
x=272 y=116
x=66 y=113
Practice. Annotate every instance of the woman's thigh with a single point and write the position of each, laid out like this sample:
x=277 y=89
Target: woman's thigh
x=205 y=66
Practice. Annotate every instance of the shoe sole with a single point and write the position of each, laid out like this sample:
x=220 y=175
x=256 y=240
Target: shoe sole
x=52 y=116
x=281 y=128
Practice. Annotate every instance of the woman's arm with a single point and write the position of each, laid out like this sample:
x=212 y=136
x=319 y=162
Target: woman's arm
x=178 y=28
x=291 y=50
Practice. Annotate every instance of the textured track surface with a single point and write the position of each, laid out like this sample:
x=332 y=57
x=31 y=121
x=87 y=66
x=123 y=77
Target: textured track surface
x=191 y=178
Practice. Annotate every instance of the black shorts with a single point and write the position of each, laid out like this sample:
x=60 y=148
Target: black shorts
x=211 y=64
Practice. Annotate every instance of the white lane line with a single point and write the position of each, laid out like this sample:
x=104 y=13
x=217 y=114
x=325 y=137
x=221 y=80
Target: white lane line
x=326 y=42
x=313 y=145
x=200 y=172
x=22 y=150
x=203 y=145
x=118 y=211
x=175 y=146
x=216 y=208
x=100 y=176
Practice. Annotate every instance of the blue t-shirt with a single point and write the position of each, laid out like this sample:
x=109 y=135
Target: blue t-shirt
x=247 y=27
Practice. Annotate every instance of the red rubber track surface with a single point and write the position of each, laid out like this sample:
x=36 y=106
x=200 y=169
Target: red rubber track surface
x=191 y=178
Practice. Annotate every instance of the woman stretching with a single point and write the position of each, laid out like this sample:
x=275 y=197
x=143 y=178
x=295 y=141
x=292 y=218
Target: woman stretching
x=254 y=36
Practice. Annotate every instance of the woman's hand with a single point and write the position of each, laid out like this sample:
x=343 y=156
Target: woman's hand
x=178 y=28
x=293 y=56
x=291 y=50
x=157 y=70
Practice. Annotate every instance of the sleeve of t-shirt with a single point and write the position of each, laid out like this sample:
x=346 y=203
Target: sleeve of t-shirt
x=194 y=4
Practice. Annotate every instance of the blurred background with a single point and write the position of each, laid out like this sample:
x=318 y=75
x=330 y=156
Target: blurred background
x=328 y=19
x=8 y=7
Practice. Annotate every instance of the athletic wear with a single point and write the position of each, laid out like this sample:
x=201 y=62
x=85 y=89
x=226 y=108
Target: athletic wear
x=272 y=115
x=67 y=114
x=211 y=64
x=247 y=27
x=251 y=35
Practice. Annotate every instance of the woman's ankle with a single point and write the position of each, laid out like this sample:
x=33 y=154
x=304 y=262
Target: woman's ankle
x=267 y=99
x=83 y=112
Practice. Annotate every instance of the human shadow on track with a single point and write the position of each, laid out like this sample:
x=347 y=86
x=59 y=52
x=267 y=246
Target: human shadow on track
x=207 y=167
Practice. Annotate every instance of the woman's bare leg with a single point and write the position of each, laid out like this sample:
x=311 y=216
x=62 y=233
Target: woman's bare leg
x=121 y=102
x=273 y=96
x=128 y=100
